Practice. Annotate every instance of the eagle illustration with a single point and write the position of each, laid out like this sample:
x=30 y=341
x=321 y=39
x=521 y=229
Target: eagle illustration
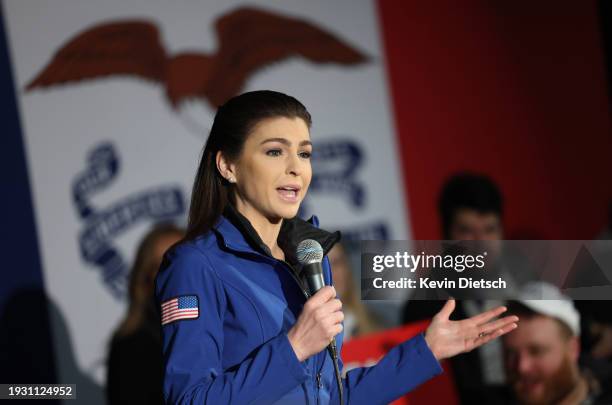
x=248 y=40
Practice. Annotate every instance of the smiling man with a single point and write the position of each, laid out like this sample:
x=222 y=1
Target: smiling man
x=541 y=357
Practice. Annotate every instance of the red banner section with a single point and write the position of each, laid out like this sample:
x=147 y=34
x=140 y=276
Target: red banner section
x=367 y=350
x=513 y=90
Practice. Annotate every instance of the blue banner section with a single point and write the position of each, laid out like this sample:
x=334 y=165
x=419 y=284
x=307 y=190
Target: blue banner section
x=23 y=303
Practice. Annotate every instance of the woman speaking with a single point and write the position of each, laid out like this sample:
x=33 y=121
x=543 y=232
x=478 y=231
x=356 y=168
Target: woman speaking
x=238 y=325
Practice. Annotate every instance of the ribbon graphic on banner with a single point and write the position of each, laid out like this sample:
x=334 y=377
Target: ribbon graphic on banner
x=337 y=163
x=102 y=226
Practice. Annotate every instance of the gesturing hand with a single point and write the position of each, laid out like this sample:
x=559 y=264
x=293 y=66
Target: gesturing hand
x=447 y=338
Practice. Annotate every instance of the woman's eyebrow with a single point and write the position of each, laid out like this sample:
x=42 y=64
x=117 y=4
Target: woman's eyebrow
x=284 y=141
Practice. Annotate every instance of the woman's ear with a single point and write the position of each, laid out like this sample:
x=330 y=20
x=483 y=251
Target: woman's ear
x=226 y=168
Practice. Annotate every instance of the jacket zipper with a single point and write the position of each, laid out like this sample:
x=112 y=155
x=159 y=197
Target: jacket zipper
x=319 y=385
x=292 y=272
x=315 y=366
x=306 y=296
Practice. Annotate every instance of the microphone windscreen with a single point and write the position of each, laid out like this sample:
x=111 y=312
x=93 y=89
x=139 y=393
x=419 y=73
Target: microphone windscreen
x=309 y=251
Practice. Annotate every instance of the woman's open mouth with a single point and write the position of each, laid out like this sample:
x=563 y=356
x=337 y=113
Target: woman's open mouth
x=289 y=193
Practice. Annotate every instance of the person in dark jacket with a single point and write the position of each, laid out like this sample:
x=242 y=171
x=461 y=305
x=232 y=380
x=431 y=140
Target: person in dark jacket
x=470 y=207
x=134 y=372
x=238 y=325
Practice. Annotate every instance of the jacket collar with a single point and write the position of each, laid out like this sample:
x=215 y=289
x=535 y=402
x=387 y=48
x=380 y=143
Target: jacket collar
x=237 y=233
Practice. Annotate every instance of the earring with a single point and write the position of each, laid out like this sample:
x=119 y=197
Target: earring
x=232 y=180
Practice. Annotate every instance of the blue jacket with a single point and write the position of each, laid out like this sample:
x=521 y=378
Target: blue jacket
x=234 y=349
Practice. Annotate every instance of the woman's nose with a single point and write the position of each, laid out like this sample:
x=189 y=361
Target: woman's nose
x=293 y=166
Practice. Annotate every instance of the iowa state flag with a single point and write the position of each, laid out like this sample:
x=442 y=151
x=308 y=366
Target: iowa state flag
x=108 y=105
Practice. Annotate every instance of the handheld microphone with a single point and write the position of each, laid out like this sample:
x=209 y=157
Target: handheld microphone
x=310 y=254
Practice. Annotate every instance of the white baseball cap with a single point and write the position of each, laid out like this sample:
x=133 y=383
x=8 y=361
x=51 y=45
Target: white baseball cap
x=546 y=299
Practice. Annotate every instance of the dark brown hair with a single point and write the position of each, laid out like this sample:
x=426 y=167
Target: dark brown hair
x=233 y=123
x=472 y=191
x=143 y=273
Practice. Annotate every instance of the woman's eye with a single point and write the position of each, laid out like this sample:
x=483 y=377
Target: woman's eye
x=305 y=155
x=274 y=152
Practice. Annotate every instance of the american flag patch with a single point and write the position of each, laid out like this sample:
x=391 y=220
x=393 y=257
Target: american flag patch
x=183 y=307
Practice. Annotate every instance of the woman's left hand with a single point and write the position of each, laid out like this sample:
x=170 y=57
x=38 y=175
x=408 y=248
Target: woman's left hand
x=447 y=338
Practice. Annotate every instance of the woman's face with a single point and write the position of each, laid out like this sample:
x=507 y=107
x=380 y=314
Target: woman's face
x=273 y=171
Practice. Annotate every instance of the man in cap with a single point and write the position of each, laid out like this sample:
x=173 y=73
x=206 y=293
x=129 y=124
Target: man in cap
x=541 y=357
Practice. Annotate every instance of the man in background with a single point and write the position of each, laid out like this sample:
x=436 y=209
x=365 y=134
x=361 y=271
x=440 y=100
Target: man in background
x=470 y=208
x=541 y=357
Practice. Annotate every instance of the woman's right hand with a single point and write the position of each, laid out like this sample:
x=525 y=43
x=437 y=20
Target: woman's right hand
x=320 y=320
